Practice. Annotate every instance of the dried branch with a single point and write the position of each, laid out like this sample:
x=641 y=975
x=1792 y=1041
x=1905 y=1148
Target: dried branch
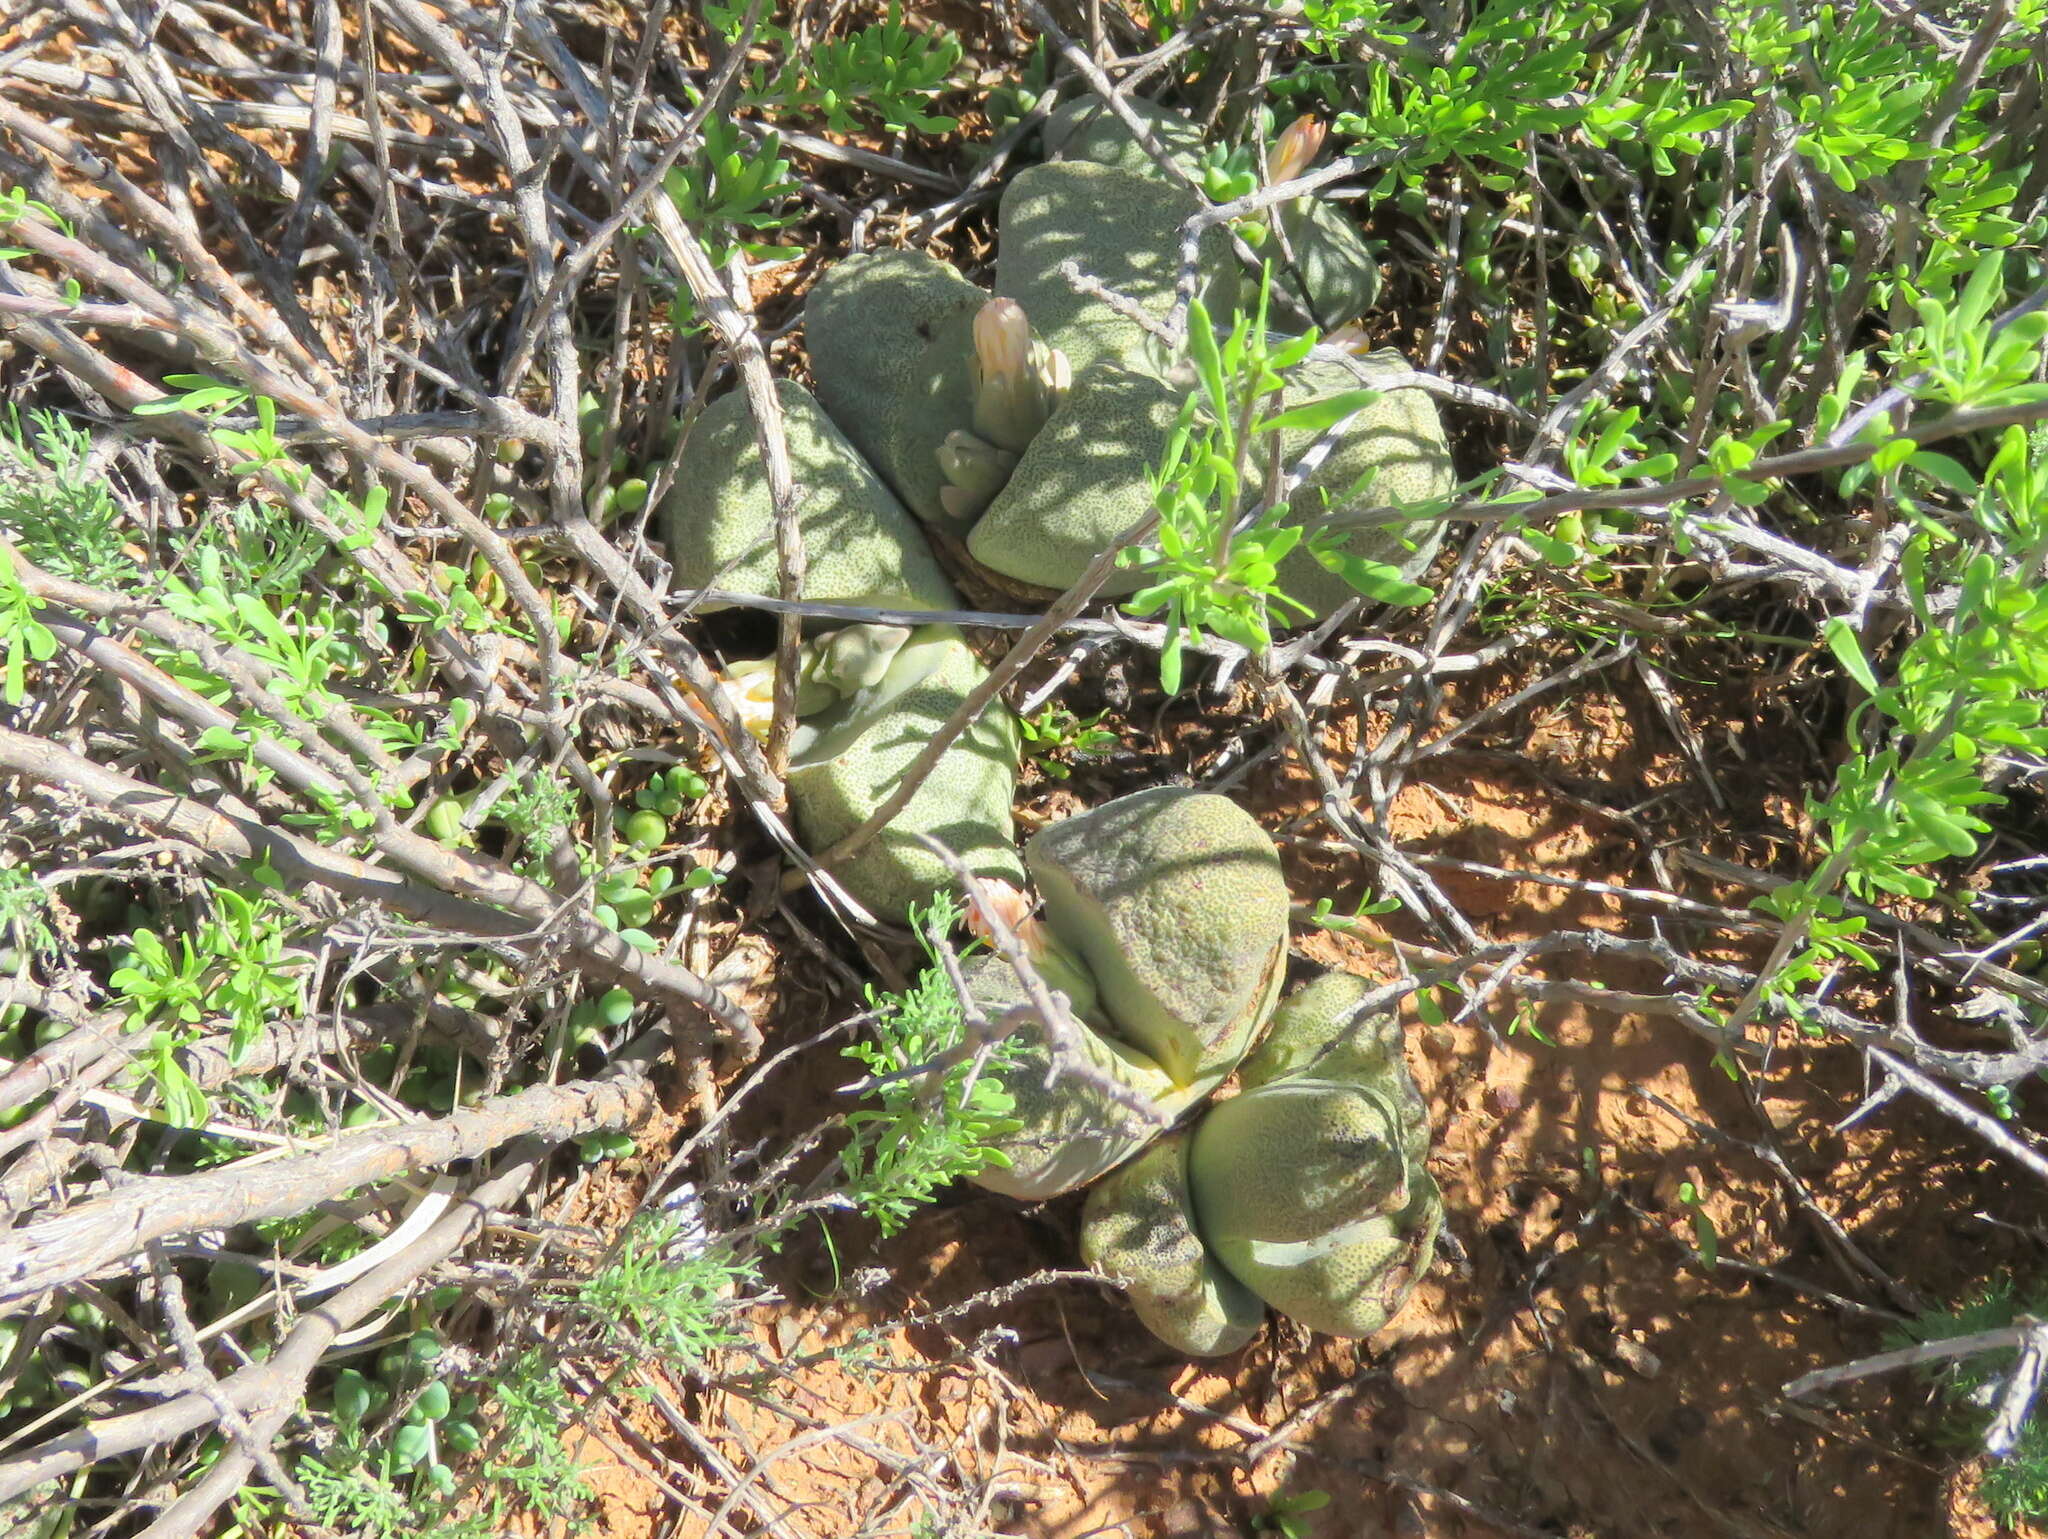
x=114 y=1229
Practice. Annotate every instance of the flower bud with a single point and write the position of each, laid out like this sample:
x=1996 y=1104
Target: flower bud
x=1060 y=970
x=1002 y=339
x=1295 y=149
x=975 y=468
x=1018 y=382
x=1001 y=903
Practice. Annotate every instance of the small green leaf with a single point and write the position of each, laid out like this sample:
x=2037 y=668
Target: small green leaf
x=1376 y=580
x=1320 y=416
x=1557 y=552
x=1842 y=641
x=411 y=1443
x=1207 y=360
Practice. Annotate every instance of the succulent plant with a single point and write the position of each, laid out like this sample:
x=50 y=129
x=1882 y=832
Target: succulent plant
x=1083 y=481
x=1070 y=1130
x=1325 y=267
x=1307 y=1191
x=1166 y=926
x=927 y=375
x=1120 y=228
x=870 y=699
x=891 y=339
x=1025 y=427
x=861 y=547
x=1141 y=1231
x=1087 y=129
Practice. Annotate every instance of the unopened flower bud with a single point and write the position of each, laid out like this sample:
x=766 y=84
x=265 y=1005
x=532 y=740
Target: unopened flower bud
x=977 y=468
x=1002 y=339
x=1018 y=382
x=1001 y=904
x=1295 y=149
x=1012 y=910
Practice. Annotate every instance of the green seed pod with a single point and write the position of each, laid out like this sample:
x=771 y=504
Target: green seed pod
x=1327 y=269
x=975 y=472
x=231 y=1284
x=851 y=659
x=443 y=822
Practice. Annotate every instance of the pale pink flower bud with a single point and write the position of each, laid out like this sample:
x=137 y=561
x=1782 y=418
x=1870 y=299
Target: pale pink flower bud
x=1011 y=907
x=1018 y=381
x=1295 y=149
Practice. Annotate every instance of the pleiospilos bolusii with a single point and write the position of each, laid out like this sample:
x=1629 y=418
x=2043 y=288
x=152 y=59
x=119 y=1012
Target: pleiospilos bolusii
x=1026 y=427
x=1307 y=1191
x=1104 y=216
x=869 y=699
x=1165 y=929
x=1166 y=926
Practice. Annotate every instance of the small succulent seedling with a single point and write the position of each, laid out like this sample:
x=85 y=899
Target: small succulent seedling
x=670 y=790
x=1287 y=1514
x=1056 y=734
